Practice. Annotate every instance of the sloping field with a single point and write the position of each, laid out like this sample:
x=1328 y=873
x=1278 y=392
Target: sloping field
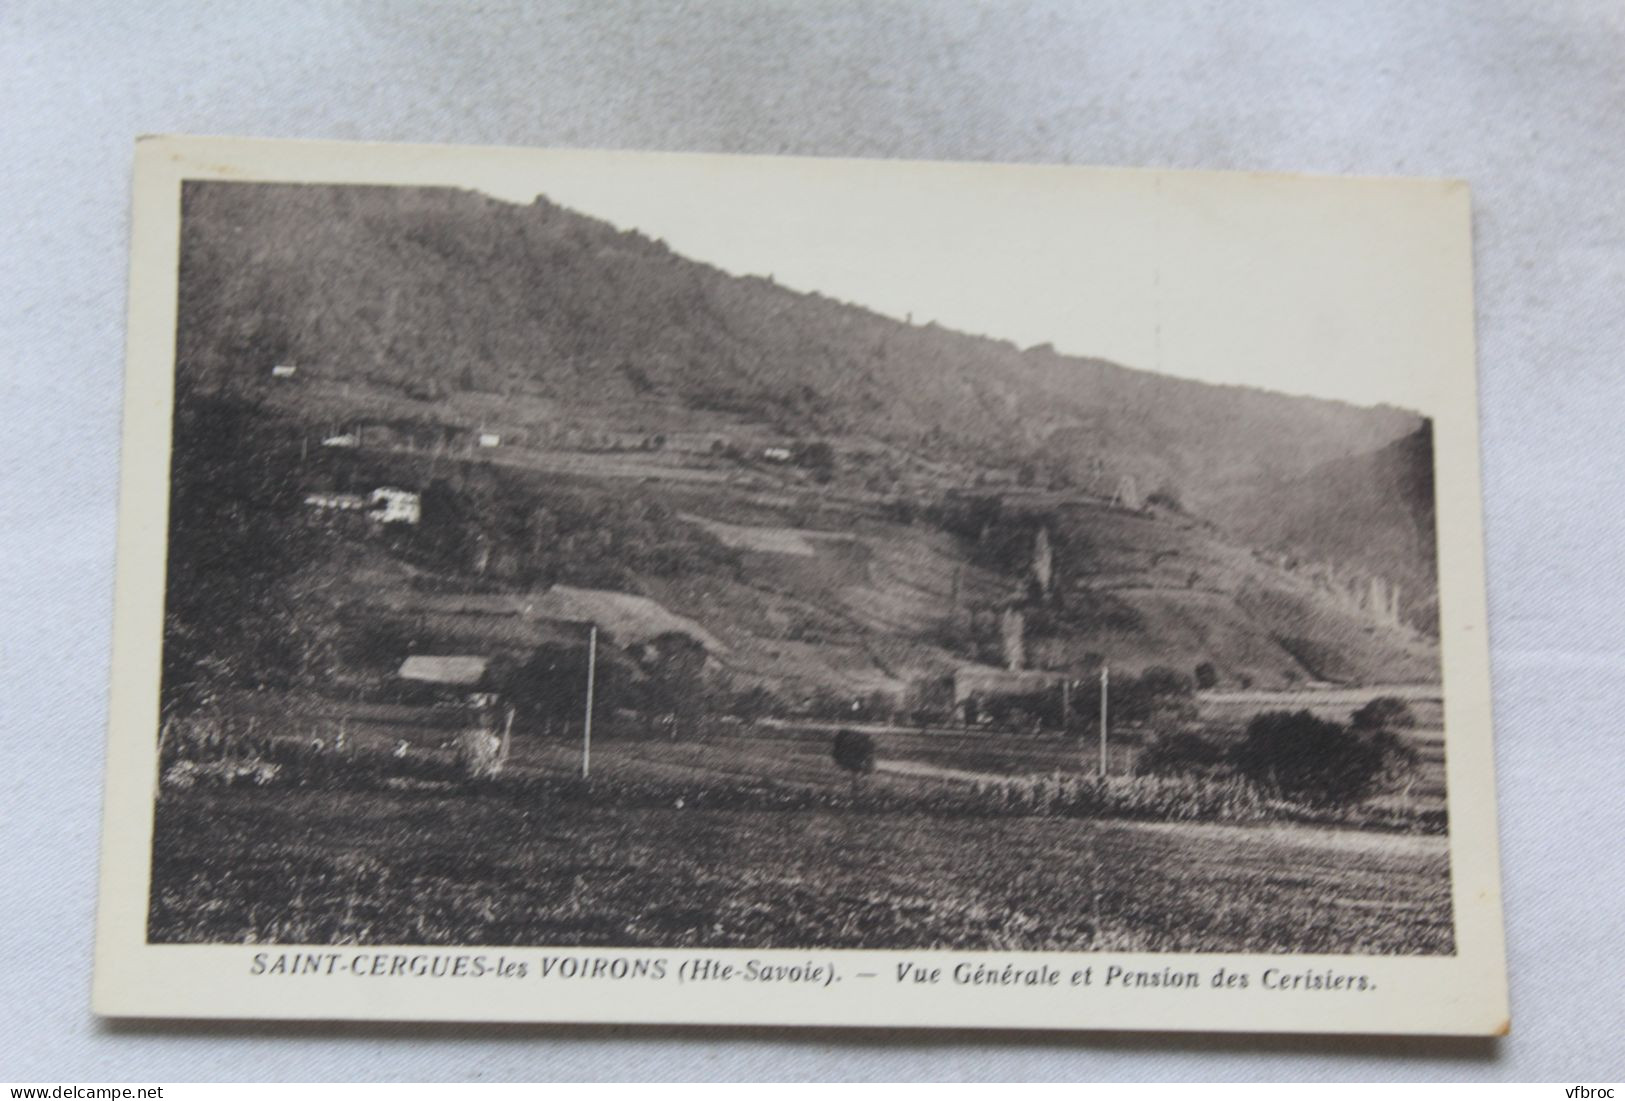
x=852 y=611
x=808 y=665
x=1174 y=592
x=1178 y=629
x=628 y=617
x=1137 y=589
x=909 y=585
x=493 y=625
x=1331 y=644
x=759 y=539
x=837 y=597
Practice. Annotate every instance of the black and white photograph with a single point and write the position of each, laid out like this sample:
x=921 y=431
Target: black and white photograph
x=646 y=554
x=866 y=541
x=531 y=582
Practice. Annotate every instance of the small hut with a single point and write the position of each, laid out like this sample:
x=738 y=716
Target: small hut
x=452 y=678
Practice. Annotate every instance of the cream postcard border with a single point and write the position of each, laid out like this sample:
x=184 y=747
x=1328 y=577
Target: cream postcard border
x=1461 y=994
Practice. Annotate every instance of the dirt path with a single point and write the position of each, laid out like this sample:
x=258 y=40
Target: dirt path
x=935 y=772
x=1327 y=838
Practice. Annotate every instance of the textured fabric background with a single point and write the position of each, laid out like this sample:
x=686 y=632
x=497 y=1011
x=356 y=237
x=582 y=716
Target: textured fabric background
x=1525 y=100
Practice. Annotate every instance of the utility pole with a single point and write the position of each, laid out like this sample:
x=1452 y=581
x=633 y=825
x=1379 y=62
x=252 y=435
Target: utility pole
x=1105 y=690
x=1066 y=704
x=592 y=669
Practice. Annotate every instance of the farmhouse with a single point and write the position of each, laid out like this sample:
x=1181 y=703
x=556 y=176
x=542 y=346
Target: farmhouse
x=284 y=370
x=388 y=505
x=342 y=502
x=460 y=678
x=976 y=685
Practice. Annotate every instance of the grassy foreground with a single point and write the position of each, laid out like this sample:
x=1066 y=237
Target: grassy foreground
x=308 y=865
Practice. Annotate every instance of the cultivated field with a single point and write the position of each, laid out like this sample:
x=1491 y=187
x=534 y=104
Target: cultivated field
x=798 y=752
x=751 y=836
x=420 y=867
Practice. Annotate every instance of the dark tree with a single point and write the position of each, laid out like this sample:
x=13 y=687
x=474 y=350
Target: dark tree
x=238 y=535
x=551 y=684
x=675 y=665
x=819 y=457
x=1207 y=676
x=855 y=751
x=446 y=523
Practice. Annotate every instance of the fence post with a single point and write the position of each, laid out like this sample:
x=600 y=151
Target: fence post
x=1105 y=690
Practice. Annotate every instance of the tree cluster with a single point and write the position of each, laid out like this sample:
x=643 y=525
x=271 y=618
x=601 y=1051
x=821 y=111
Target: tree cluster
x=1298 y=756
x=484 y=522
x=238 y=536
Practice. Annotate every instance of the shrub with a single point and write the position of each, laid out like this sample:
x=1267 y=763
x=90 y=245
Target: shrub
x=1146 y=798
x=1383 y=713
x=855 y=752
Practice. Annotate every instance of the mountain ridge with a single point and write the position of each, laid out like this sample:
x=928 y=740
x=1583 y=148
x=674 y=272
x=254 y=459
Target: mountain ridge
x=465 y=305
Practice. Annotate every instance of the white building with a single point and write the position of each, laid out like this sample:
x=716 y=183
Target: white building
x=388 y=505
x=344 y=502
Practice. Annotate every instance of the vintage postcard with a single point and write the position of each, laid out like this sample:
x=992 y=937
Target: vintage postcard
x=588 y=586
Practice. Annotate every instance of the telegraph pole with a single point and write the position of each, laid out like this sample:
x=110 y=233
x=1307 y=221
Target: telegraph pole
x=592 y=669
x=1105 y=689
